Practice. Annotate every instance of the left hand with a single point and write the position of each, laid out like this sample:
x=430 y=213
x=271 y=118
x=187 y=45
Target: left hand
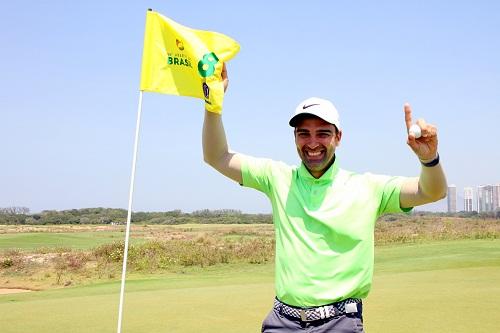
x=424 y=147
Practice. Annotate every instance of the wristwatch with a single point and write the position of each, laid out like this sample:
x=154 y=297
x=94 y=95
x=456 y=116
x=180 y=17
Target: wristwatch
x=431 y=163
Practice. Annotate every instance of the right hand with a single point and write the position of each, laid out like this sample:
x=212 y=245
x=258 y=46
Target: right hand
x=225 y=80
x=426 y=146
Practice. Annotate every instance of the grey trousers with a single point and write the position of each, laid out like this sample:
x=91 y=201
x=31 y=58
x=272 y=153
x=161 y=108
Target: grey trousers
x=278 y=323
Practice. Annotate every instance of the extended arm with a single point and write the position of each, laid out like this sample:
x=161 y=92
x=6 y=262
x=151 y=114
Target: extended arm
x=431 y=185
x=215 y=148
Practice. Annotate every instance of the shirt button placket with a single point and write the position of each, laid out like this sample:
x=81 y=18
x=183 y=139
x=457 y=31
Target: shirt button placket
x=315 y=199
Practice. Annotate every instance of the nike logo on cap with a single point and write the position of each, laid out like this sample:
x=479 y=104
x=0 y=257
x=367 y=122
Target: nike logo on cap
x=307 y=106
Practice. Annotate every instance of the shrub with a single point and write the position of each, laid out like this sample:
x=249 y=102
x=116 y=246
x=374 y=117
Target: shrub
x=6 y=263
x=112 y=252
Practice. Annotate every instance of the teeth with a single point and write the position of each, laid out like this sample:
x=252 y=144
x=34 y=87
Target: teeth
x=317 y=153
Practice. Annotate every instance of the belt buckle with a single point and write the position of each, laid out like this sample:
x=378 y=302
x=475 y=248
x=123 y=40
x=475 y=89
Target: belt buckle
x=351 y=308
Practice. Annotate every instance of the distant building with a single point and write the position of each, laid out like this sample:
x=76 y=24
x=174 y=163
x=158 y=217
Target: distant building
x=496 y=197
x=488 y=198
x=452 y=199
x=468 y=199
x=483 y=198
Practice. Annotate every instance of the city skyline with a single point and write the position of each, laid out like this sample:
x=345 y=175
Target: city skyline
x=481 y=198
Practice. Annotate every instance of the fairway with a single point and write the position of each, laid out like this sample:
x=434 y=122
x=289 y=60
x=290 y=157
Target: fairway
x=447 y=286
x=81 y=240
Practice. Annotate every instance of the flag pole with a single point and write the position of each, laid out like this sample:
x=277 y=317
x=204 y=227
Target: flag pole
x=129 y=214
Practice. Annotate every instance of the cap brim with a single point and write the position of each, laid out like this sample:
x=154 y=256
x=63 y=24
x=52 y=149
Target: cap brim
x=293 y=121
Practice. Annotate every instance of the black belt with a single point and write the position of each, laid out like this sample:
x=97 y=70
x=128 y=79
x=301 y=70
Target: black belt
x=349 y=305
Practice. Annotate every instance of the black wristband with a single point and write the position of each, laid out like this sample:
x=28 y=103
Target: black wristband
x=432 y=163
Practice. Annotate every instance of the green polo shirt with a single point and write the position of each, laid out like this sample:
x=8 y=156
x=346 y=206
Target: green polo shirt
x=324 y=228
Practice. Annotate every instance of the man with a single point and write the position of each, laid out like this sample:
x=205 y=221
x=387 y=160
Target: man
x=324 y=216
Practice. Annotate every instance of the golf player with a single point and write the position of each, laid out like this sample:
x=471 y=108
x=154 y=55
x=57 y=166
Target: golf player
x=323 y=215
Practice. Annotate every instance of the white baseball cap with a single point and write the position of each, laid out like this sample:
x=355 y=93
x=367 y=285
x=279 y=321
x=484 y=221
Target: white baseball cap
x=318 y=107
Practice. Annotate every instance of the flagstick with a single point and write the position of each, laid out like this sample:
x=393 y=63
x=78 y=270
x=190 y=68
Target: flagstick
x=129 y=213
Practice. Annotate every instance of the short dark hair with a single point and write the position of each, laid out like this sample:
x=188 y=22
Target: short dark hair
x=303 y=116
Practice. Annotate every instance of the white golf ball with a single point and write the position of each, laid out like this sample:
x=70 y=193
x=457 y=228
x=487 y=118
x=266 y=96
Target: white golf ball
x=415 y=130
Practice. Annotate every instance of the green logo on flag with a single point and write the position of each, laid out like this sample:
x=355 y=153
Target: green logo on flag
x=206 y=66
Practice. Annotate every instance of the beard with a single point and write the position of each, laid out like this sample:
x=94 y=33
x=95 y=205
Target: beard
x=317 y=161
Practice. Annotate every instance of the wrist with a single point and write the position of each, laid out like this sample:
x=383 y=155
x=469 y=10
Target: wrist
x=430 y=162
x=213 y=110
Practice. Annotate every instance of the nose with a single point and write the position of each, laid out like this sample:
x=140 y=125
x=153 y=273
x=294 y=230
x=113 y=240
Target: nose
x=312 y=144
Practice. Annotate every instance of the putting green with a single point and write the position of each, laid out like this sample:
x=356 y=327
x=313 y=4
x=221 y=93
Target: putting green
x=215 y=301
x=449 y=286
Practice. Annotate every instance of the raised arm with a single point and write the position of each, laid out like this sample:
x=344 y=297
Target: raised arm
x=215 y=148
x=431 y=185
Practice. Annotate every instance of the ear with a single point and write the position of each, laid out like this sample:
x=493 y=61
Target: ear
x=338 y=137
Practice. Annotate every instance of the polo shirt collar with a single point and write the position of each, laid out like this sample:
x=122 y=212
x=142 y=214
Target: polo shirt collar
x=328 y=176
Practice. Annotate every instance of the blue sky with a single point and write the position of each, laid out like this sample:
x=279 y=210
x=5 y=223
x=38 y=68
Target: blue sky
x=69 y=93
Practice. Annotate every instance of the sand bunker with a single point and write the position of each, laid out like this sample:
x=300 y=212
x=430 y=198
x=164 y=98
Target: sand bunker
x=4 y=291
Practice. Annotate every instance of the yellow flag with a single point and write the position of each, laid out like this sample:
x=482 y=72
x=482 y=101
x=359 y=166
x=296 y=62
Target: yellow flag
x=182 y=61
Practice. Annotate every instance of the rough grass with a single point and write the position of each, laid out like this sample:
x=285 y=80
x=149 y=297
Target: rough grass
x=60 y=267
x=401 y=228
x=40 y=257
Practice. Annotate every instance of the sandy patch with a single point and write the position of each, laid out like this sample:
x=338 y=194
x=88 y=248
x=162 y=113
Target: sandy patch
x=4 y=291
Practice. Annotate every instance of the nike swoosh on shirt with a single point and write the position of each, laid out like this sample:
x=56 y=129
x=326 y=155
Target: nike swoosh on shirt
x=307 y=106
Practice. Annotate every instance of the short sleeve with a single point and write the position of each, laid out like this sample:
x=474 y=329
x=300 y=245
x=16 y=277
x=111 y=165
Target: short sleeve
x=256 y=173
x=390 y=188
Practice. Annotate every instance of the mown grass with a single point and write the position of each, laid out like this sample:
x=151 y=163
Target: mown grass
x=437 y=255
x=194 y=304
x=458 y=300
x=81 y=240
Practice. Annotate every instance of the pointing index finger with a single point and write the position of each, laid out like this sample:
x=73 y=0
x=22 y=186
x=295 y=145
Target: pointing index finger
x=407 y=109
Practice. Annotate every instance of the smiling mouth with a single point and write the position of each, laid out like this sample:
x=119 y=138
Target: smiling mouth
x=314 y=156
x=313 y=153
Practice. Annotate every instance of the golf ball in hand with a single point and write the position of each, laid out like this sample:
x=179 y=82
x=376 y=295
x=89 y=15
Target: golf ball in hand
x=415 y=130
